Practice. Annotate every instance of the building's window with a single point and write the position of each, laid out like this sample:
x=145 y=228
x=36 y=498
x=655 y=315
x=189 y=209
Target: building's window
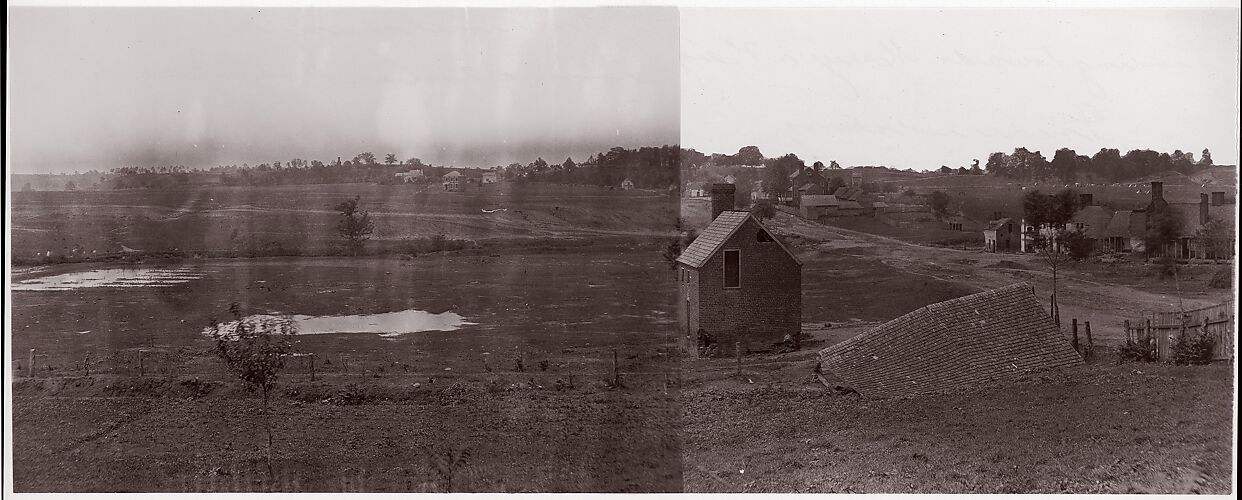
x=1078 y=226
x=732 y=269
x=763 y=237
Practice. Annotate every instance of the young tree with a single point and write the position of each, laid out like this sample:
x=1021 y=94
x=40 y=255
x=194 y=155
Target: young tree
x=254 y=350
x=390 y=159
x=355 y=225
x=1053 y=248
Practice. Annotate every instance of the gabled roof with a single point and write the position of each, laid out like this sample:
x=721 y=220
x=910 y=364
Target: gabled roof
x=1119 y=225
x=995 y=335
x=1094 y=219
x=453 y=174
x=819 y=200
x=715 y=236
x=809 y=185
x=848 y=193
x=849 y=204
x=997 y=224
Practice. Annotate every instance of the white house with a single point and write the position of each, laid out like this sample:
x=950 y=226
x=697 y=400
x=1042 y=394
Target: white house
x=489 y=177
x=454 y=181
x=410 y=176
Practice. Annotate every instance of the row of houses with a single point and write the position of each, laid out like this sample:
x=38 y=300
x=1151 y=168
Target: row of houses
x=453 y=181
x=1122 y=231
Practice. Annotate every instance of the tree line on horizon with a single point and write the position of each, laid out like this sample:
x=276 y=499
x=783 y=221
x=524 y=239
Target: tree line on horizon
x=1106 y=164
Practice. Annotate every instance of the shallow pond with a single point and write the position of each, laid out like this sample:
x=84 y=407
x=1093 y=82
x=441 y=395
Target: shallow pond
x=109 y=278
x=386 y=324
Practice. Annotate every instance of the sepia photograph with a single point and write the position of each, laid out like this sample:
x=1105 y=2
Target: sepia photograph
x=616 y=248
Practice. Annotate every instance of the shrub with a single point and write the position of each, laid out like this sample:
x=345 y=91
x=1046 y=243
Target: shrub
x=1136 y=351
x=353 y=395
x=1193 y=349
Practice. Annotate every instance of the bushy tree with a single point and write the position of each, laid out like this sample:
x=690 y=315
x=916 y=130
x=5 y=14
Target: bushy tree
x=1163 y=227
x=355 y=225
x=390 y=159
x=749 y=155
x=776 y=172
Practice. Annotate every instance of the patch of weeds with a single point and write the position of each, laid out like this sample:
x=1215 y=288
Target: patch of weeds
x=354 y=395
x=197 y=388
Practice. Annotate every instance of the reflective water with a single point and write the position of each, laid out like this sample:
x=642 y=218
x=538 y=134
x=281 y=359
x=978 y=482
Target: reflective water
x=386 y=324
x=109 y=278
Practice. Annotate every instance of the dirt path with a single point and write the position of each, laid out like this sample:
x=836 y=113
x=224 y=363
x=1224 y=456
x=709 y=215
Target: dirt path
x=1088 y=298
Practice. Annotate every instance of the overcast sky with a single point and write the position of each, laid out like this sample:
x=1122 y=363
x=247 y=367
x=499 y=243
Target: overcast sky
x=926 y=88
x=99 y=88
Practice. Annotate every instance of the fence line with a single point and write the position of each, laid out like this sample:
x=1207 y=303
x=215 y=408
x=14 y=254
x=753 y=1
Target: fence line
x=1160 y=329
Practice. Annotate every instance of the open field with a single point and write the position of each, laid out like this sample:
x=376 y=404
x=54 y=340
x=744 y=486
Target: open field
x=423 y=392
x=292 y=220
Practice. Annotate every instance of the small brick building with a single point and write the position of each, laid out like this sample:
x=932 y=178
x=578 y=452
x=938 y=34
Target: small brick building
x=738 y=283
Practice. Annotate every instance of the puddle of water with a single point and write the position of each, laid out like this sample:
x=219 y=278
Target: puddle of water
x=390 y=324
x=109 y=278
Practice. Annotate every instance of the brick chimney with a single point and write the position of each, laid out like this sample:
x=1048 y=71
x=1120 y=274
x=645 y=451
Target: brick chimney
x=1203 y=208
x=1218 y=198
x=1157 y=198
x=1085 y=200
x=722 y=198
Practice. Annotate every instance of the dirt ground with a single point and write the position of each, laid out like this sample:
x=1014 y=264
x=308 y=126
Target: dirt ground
x=1099 y=428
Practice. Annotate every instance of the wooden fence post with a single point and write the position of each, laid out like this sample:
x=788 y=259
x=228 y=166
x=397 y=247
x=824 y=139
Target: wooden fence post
x=142 y=372
x=1074 y=341
x=1090 y=341
x=86 y=364
x=30 y=364
x=312 y=362
x=1126 y=324
x=616 y=376
x=1147 y=340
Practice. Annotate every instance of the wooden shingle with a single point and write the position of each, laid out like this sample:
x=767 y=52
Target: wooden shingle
x=990 y=336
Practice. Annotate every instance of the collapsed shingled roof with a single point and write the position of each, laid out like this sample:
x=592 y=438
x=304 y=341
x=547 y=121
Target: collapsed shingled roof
x=994 y=335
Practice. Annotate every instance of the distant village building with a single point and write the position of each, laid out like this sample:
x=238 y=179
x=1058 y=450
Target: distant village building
x=454 y=182
x=817 y=206
x=696 y=190
x=856 y=179
x=411 y=176
x=627 y=184
x=730 y=179
x=1122 y=231
x=1002 y=235
x=738 y=283
x=490 y=177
